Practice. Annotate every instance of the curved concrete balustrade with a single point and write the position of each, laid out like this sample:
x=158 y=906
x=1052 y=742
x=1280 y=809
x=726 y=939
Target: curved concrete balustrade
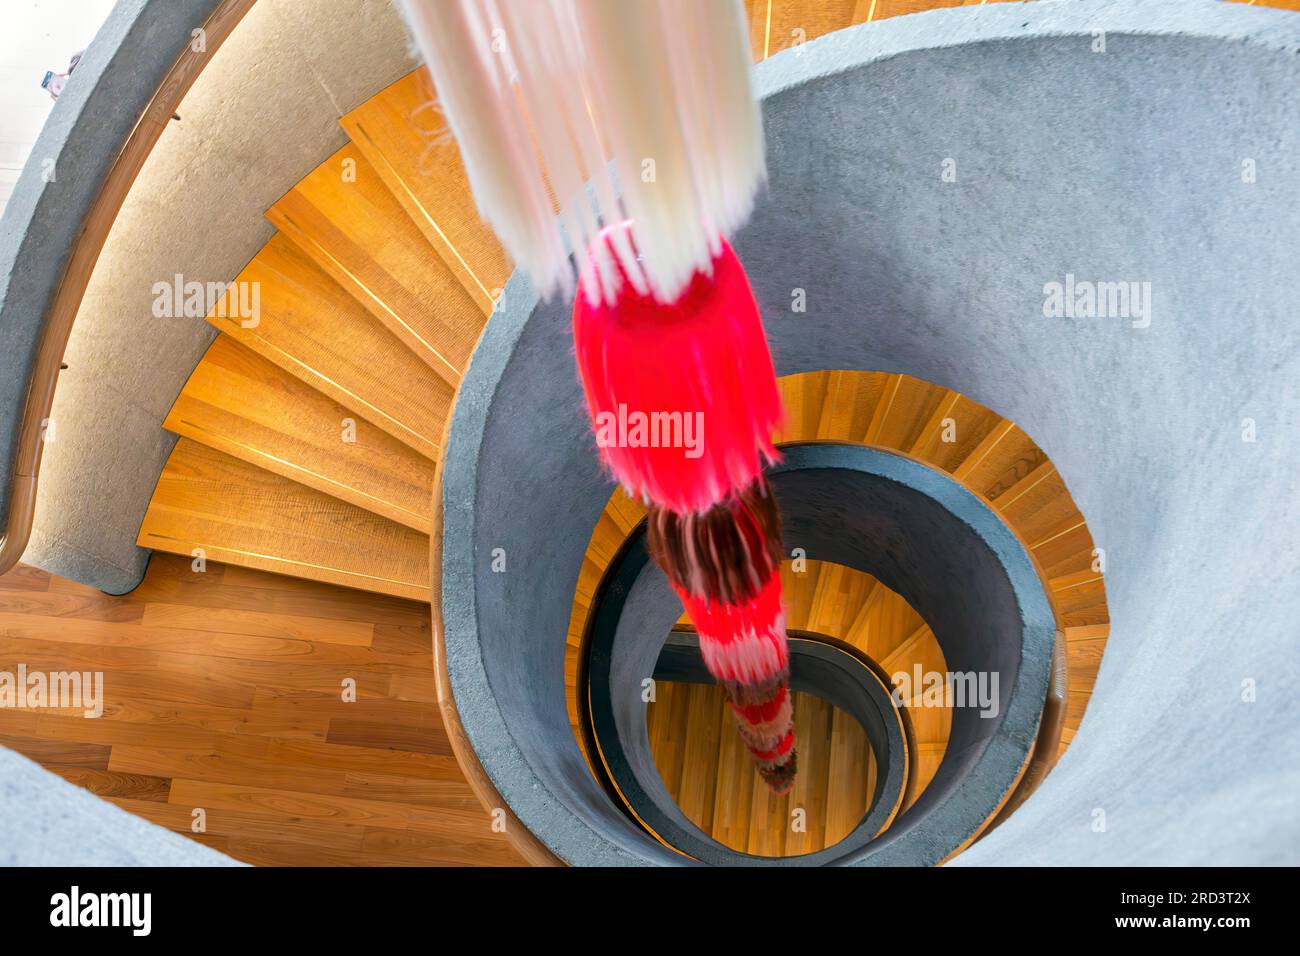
x=262 y=114
x=47 y=821
x=115 y=82
x=1122 y=166
x=923 y=536
x=926 y=538
x=618 y=714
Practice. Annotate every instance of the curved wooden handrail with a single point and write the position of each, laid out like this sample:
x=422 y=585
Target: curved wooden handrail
x=62 y=313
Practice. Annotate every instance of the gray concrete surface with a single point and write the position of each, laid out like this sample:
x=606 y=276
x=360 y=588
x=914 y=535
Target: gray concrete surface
x=1169 y=159
x=262 y=115
x=46 y=821
x=928 y=539
x=104 y=99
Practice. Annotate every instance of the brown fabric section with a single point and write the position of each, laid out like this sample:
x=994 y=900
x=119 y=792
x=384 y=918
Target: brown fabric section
x=779 y=772
x=725 y=554
x=750 y=695
x=780 y=777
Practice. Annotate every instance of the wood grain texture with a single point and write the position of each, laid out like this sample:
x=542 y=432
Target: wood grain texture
x=405 y=138
x=240 y=514
x=241 y=404
x=343 y=216
x=223 y=692
x=785 y=24
x=835 y=779
x=313 y=329
x=707 y=770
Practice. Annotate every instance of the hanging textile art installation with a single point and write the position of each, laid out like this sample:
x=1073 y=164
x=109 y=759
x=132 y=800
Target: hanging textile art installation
x=613 y=146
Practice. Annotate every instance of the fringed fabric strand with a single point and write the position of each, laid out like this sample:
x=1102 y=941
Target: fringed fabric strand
x=725 y=554
x=703 y=357
x=649 y=101
x=626 y=134
x=725 y=566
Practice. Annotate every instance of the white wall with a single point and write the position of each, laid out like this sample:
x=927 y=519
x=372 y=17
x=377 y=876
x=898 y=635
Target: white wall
x=35 y=36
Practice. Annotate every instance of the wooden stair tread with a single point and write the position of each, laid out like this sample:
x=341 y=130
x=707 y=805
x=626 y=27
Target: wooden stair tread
x=776 y=25
x=251 y=409
x=996 y=467
x=1038 y=503
x=1079 y=599
x=850 y=776
x=706 y=769
x=402 y=135
x=902 y=413
x=343 y=216
x=240 y=514
x=313 y=329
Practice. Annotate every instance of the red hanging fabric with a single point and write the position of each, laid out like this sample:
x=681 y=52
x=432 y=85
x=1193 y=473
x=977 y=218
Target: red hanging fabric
x=684 y=402
x=705 y=356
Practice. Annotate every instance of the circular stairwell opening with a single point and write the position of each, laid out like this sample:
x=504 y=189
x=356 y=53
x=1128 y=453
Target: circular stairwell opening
x=927 y=539
x=848 y=776
x=512 y=640
x=847 y=766
x=688 y=737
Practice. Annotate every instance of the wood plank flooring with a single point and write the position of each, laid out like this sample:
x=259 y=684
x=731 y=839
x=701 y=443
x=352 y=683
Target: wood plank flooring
x=706 y=769
x=224 y=692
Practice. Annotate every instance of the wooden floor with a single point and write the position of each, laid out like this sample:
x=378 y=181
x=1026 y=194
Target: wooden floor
x=706 y=769
x=991 y=457
x=224 y=692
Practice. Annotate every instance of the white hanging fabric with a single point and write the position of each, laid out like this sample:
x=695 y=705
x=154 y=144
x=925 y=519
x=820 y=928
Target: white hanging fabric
x=649 y=101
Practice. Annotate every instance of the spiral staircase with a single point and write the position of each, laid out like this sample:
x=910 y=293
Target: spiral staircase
x=702 y=767
x=308 y=442
x=395 y=353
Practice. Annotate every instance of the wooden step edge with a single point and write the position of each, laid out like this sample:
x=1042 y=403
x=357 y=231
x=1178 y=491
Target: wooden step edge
x=1028 y=483
x=286 y=566
x=889 y=661
x=856 y=633
x=1068 y=582
x=1087 y=632
x=179 y=424
x=934 y=426
x=1093 y=611
x=982 y=450
x=419 y=214
x=323 y=383
x=887 y=395
x=863 y=11
x=1072 y=523
x=369 y=299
